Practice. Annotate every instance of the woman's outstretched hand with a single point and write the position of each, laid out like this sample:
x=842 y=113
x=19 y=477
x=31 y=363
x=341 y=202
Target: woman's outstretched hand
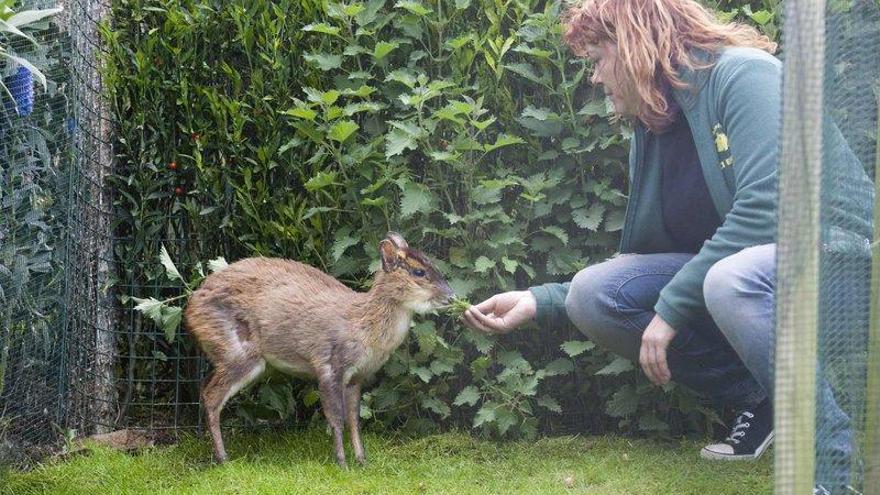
x=501 y=313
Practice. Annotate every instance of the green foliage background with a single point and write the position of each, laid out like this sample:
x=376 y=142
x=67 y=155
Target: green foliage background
x=308 y=129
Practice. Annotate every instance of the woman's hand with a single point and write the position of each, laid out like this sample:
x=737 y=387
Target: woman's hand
x=652 y=356
x=501 y=313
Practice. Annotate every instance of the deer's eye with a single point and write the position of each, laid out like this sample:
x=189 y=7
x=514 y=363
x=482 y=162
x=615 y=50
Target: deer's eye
x=418 y=273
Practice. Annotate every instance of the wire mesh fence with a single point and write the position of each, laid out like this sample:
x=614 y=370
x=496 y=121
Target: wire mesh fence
x=827 y=201
x=35 y=163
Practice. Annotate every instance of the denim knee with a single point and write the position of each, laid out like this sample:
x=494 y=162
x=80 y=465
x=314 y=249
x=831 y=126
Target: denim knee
x=745 y=275
x=588 y=303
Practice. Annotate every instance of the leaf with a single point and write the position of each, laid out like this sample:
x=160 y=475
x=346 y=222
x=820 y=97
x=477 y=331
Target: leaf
x=462 y=4
x=529 y=72
x=541 y=121
x=561 y=366
x=509 y=264
x=321 y=27
x=576 y=347
x=26 y=17
x=504 y=419
x=461 y=41
x=557 y=232
x=594 y=107
x=761 y=17
x=549 y=403
x=150 y=307
x=342 y=130
x=485 y=415
x=403 y=76
x=483 y=264
x=415 y=198
x=325 y=97
x=615 y=220
x=541 y=114
x=436 y=405
x=535 y=52
x=482 y=195
x=171 y=321
x=440 y=367
x=383 y=48
x=565 y=261
x=481 y=341
x=623 y=403
x=320 y=181
x=426 y=335
x=396 y=141
x=514 y=362
x=170 y=269
x=422 y=372
x=501 y=141
x=403 y=136
x=616 y=367
x=5 y=27
x=344 y=240
x=413 y=7
x=353 y=9
x=315 y=210
x=217 y=264
x=324 y=61
x=468 y=396
x=589 y=218
x=364 y=106
x=302 y=113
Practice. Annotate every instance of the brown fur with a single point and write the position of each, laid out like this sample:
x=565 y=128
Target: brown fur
x=262 y=312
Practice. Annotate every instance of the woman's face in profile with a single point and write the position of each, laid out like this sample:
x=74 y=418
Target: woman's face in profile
x=606 y=72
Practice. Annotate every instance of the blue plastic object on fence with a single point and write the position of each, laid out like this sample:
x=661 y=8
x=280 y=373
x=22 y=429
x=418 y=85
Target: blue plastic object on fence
x=21 y=86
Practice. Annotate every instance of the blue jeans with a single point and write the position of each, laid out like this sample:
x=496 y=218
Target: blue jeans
x=725 y=354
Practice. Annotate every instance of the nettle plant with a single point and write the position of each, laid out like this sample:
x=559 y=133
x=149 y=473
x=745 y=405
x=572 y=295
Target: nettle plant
x=308 y=129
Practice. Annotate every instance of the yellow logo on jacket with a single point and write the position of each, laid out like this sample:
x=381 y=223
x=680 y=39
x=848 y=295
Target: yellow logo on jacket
x=722 y=146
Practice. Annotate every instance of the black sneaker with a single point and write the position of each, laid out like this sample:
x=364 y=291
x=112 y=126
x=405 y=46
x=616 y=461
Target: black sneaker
x=749 y=437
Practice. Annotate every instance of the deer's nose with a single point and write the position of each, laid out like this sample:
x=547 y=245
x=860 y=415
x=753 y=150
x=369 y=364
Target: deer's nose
x=447 y=290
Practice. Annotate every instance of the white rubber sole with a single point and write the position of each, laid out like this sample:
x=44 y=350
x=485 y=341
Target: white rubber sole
x=718 y=456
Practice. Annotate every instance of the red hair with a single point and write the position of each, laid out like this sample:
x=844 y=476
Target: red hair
x=654 y=40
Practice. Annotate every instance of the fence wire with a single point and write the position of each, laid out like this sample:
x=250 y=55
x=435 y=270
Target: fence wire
x=824 y=361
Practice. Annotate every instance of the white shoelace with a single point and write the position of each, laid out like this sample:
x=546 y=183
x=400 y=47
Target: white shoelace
x=738 y=430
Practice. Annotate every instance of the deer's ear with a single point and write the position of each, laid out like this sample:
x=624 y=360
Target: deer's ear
x=390 y=255
x=397 y=239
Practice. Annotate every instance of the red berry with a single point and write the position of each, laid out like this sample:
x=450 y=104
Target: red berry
x=178 y=191
x=196 y=136
x=172 y=165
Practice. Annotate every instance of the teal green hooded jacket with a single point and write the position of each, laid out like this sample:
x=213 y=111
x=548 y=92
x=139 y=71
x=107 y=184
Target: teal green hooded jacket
x=733 y=109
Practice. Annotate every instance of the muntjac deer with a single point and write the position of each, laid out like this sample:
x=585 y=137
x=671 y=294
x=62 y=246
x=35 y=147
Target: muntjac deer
x=261 y=312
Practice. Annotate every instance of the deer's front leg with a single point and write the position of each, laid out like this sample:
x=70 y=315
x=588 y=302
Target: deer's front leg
x=333 y=402
x=352 y=415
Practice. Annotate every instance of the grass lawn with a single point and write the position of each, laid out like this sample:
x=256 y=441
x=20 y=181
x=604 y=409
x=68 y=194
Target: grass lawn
x=300 y=462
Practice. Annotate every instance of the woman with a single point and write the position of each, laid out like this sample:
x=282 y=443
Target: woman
x=691 y=296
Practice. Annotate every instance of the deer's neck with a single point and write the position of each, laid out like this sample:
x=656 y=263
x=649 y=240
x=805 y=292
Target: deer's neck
x=380 y=316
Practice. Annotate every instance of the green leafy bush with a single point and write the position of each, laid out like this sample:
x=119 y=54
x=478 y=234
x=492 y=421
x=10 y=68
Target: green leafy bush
x=309 y=129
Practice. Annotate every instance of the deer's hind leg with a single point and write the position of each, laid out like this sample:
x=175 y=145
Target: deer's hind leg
x=229 y=344
x=224 y=382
